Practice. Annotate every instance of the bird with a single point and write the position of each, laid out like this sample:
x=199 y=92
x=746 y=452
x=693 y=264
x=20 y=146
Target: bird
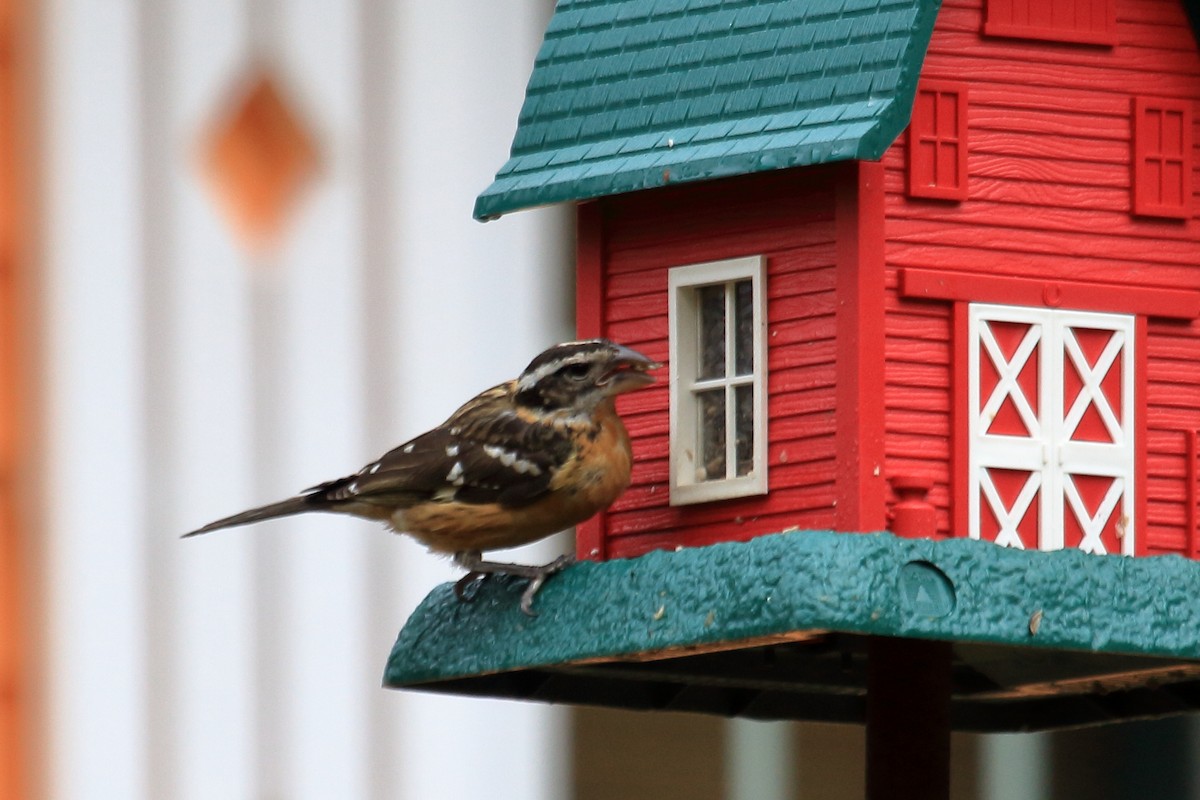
x=516 y=463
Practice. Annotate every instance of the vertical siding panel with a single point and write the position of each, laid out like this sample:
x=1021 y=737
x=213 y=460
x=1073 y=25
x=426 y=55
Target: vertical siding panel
x=321 y=630
x=1191 y=475
x=1141 y=432
x=200 y=459
x=860 y=344
x=91 y=328
x=16 y=222
x=468 y=305
x=187 y=379
x=589 y=324
x=16 y=137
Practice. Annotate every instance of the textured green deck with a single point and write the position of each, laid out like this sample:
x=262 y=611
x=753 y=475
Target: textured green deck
x=633 y=94
x=1020 y=618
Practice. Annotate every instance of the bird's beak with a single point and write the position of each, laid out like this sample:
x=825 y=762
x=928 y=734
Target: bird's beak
x=628 y=370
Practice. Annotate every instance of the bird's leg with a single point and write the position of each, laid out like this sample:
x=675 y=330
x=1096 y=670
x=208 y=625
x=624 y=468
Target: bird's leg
x=472 y=561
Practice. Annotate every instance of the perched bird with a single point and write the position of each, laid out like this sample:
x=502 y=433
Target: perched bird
x=518 y=462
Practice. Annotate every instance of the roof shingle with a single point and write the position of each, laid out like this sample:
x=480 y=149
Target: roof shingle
x=633 y=94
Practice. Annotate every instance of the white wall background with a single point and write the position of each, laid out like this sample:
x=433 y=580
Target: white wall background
x=188 y=379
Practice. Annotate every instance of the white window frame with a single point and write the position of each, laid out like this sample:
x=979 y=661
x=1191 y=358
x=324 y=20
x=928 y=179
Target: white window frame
x=1050 y=454
x=683 y=315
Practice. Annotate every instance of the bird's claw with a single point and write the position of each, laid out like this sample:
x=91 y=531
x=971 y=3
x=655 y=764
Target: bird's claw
x=535 y=583
x=466 y=581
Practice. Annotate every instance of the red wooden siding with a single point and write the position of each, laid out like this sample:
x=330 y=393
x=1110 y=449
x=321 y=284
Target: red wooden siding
x=1050 y=166
x=788 y=217
x=917 y=397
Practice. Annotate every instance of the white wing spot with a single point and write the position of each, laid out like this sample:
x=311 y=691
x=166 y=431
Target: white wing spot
x=451 y=450
x=505 y=457
x=510 y=459
x=455 y=475
x=524 y=466
x=408 y=448
x=373 y=469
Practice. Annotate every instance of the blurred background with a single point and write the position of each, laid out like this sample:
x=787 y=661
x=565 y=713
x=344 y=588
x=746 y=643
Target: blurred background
x=237 y=259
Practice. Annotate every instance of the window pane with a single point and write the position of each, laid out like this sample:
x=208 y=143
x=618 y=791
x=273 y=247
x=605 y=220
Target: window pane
x=744 y=328
x=744 y=420
x=712 y=332
x=945 y=120
x=1172 y=133
x=711 y=425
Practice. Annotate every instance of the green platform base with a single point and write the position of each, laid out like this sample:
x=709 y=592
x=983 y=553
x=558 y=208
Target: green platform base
x=777 y=628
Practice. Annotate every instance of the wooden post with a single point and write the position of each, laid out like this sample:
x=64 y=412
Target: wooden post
x=908 y=719
x=908 y=686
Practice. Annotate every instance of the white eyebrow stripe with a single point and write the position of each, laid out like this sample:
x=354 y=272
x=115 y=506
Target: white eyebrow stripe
x=532 y=379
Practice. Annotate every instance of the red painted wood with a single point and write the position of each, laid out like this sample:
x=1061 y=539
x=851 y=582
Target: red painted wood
x=589 y=316
x=1140 y=401
x=1192 y=452
x=1050 y=214
x=860 y=344
x=1048 y=220
x=982 y=232
x=960 y=477
x=1079 y=21
x=937 y=141
x=789 y=217
x=947 y=285
x=1162 y=157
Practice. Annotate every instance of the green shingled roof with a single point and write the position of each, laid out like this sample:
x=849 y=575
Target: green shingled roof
x=633 y=94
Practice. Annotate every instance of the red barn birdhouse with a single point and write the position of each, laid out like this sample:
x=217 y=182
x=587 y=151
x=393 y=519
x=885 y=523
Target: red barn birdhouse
x=997 y=301
x=919 y=267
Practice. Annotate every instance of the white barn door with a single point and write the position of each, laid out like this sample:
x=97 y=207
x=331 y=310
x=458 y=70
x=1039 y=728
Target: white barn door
x=1051 y=428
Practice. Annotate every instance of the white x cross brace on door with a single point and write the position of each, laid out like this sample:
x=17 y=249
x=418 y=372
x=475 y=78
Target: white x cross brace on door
x=1051 y=428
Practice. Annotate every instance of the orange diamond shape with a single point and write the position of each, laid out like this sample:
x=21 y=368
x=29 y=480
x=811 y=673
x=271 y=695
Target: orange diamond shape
x=258 y=158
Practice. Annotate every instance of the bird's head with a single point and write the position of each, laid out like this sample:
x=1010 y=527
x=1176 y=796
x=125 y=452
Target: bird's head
x=580 y=375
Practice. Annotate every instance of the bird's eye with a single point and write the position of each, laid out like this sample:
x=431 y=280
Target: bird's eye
x=576 y=372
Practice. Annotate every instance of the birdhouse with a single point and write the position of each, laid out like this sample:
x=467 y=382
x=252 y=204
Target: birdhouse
x=918 y=268
x=996 y=300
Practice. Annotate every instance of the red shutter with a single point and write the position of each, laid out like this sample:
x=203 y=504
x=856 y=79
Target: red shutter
x=937 y=142
x=1080 y=21
x=1162 y=157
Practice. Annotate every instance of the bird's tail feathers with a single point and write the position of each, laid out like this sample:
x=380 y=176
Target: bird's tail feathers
x=284 y=508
